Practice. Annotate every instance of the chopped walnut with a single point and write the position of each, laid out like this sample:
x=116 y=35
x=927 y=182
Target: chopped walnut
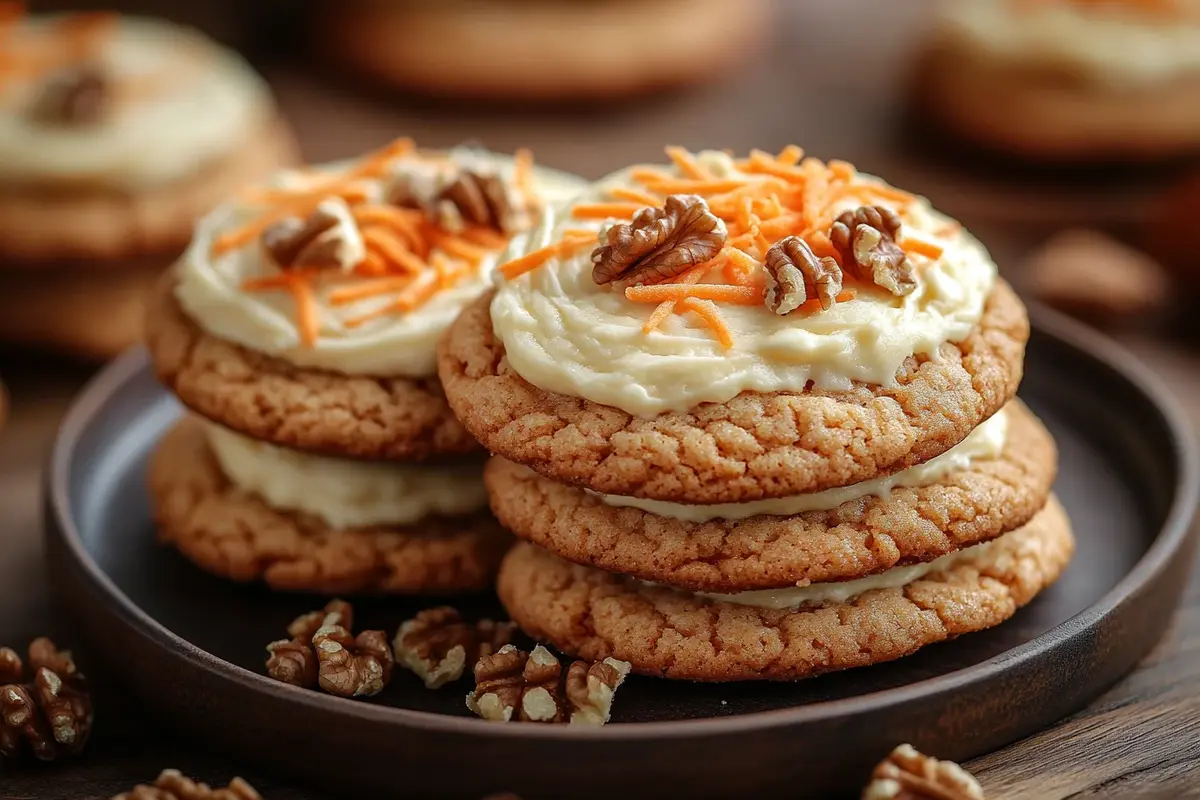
x=866 y=240
x=793 y=272
x=173 y=785
x=329 y=237
x=909 y=775
x=76 y=95
x=660 y=243
x=293 y=661
x=531 y=687
x=323 y=653
x=454 y=198
x=590 y=689
x=437 y=645
x=52 y=714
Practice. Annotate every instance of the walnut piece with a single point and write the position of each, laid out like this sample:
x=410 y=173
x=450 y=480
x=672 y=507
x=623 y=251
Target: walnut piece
x=51 y=714
x=76 y=95
x=531 y=687
x=172 y=785
x=866 y=240
x=328 y=237
x=794 y=272
x=660 y=243
x=323 y=654
x=454 y=198
x=909 y=775
x=437 y=645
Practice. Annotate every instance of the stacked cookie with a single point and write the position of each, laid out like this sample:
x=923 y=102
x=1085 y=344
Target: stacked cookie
x=299 y=329
x=755 y=419
x=115 y=134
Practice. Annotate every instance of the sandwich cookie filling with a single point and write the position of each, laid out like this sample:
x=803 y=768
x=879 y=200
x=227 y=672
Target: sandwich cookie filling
x=663 y=288
x=985 y=442
x=359 y=267
x=346 y=493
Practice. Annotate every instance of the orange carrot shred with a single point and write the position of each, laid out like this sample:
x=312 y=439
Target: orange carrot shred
x=648 y=174
x=605 y=210
x=700 y=187
x=657 y=293
x=790 y=156
x=484 y=237
x=307 y=312
x=916 y=246
x=687 y=164
x=368 y=288
x=663 y=310
x=634 y=196
x=708 y=312
x=528 y=262
x=392 y=249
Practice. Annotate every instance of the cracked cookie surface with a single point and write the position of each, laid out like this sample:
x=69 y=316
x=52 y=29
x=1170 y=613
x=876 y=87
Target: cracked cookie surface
x=858 y=538
x=234 y=534
x=752 y=447
x=306 y=409
x=595 y=615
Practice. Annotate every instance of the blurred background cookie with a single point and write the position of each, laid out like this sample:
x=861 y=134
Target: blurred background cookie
x=540 y=50
x=115 y=134
x=1067 y=80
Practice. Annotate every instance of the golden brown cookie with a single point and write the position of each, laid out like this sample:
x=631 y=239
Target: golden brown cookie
x=95 y=228
x=306 y=409
x=1051 y=115
x=234 y=534
x=858 y=538
x=92 y=314
x=754 y=446
x=594 y=615
x=541 y=51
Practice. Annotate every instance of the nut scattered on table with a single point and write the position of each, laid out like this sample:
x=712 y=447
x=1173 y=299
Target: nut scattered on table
x=51 y=714
x=794 y=273
x=322 y=653
x=437 y=645
x=660 y=243
x=907 y=774
x=173 y=785
x=530 y=687
x=1094 y=276
x=866 y=240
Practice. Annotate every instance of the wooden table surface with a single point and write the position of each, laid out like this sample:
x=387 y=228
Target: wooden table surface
x=1141 y=739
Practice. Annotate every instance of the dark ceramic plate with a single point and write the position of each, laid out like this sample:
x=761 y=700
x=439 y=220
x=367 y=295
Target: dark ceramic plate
x=192 y=645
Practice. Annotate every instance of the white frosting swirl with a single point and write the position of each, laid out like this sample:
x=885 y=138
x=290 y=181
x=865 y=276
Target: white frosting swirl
x=565 y=334
x=1109 y=44
x=986 y=441
x=402 y=344
x=346 y=493
x=197 y=102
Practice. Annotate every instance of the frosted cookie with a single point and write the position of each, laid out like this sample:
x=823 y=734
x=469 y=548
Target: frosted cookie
x=321 y=525
x=728 y=330
x=306 y=311
x=1067 y=79
x=996 y=480
x=561 y=50
x=782 y=635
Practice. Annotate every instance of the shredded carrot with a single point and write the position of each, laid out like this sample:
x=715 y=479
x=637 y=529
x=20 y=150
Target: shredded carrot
x=761 y=163
x=388 y=245
x=484 y=237
x=634 y=196
x=781 y=226
x=709 y=187
x=528 y=262
x=523 y=169
x=414 y=296
x=647 y=175
x=842 y=170
x=708 y=311
x=916 y=246
x=369 y=288
x=606 y=210
x=687 y=164
x=307 y=312
x=372 y=264
x=657 y=293
x=790 y=156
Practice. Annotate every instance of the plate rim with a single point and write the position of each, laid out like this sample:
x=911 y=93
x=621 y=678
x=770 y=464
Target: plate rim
x=1172 y=535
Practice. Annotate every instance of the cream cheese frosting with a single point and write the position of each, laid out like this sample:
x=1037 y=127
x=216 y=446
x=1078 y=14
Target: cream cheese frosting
x=563 y=333
x=985 y=442
x=841 y=591
x=188 y=102
x=346 y=493
x=391 y=345
x=1111 y=44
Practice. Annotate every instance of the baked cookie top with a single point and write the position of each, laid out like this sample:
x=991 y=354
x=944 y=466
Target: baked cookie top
x=1108 y=42
x=665 y=287
x=358 y=267
x=102 y=101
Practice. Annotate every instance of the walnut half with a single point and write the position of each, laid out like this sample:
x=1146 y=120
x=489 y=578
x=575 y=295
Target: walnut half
x=794 y=271
x=909 y=775
x=660 y=243
x=437 y=645
x=328 y=237
x=866 y=240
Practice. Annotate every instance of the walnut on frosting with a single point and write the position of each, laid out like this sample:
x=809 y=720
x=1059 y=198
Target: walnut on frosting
x=75 y=95
x=328 y=237
x=660 y=243
x=794 y=272
x=866 y=240
x=454 y=197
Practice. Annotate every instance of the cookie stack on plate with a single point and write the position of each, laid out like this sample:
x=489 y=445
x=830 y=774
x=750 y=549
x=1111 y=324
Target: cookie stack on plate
x=299 y=329
x=755 y=419
x=115 y=134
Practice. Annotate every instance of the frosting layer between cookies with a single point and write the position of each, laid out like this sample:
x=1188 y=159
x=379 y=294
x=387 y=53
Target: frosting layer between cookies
x=176 y=102
x=346 y=493
x=354 y=337
x=1102 y=43
x=564 y=333
x=986 y=441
